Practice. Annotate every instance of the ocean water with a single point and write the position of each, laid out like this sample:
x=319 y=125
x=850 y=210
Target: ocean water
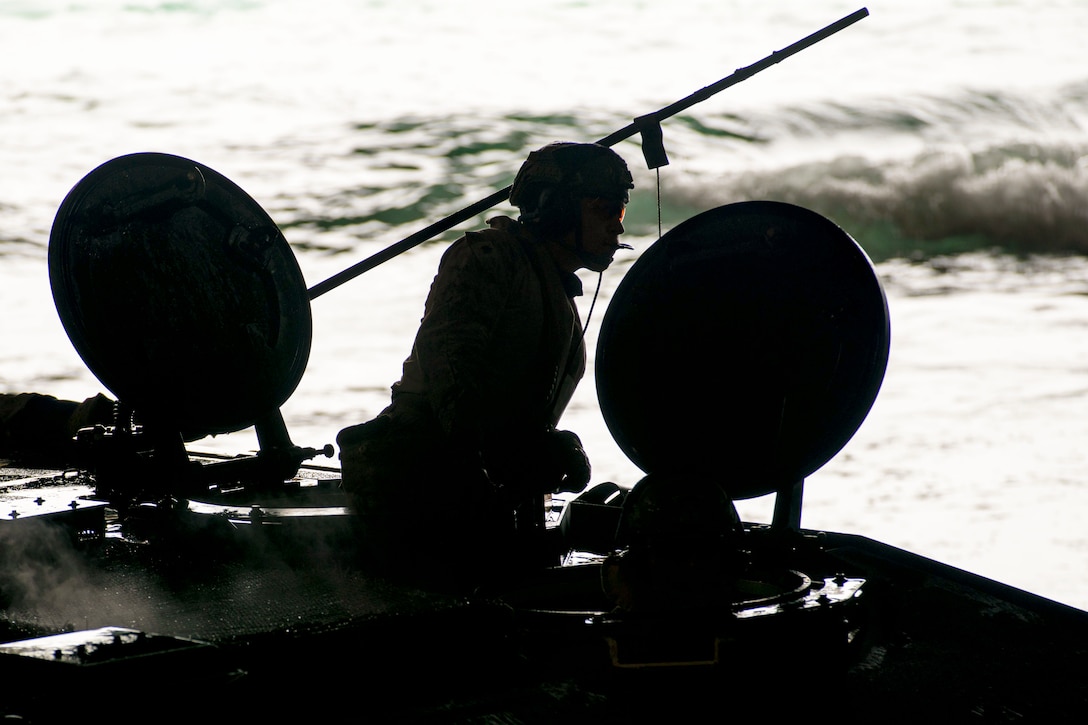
x=947 y=137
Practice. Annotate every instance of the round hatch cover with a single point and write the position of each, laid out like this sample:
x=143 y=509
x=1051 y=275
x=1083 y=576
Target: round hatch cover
x=180 y=293
x=747 y=345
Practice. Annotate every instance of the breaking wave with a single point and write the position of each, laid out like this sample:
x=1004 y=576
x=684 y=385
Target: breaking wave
x=919 y=177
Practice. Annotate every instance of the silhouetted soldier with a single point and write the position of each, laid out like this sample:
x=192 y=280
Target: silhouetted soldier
x=470 y=434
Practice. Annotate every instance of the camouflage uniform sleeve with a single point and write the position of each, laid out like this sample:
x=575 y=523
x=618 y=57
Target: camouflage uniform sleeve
x=454 y=346
x=41 y=427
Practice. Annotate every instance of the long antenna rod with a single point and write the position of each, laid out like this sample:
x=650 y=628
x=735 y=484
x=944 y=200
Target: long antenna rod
x=433 y=230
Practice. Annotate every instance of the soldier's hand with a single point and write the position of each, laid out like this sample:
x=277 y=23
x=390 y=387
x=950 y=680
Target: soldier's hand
x=567 y=460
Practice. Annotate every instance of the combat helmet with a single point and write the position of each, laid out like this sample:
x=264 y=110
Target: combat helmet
x=555 y=177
